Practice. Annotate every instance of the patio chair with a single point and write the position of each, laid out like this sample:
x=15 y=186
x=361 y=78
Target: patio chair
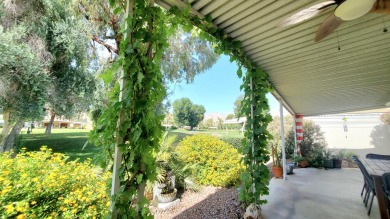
x=369 y=185
x=378 y=156
x=356 y=159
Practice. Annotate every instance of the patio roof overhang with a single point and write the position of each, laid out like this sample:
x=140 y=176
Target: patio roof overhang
x=310 y=78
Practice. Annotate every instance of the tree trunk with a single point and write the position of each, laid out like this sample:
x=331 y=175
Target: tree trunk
x=6 y=125
x=50 y=125
x=9 y=140
x=6 y=128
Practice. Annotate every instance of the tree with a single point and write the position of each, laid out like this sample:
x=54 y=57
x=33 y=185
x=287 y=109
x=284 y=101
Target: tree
x=44 y=58
x=237 y=106
x=220 y=123
x=230 y=116
x=175 y=64
x=73 y=86
x=312 y=143
x=385 y=118
x=23 y=80
x=187 y=113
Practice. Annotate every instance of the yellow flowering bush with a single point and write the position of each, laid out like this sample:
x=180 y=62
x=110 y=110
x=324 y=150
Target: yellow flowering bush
x=43 y=185
x=216 y=162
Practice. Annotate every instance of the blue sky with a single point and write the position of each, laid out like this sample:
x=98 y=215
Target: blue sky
x=216 y=89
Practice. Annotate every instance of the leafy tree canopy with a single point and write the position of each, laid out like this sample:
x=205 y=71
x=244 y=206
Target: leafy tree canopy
x=237 y=106
x=23 y=77
x=230 y=116
x=187 y=113
x=385 y=118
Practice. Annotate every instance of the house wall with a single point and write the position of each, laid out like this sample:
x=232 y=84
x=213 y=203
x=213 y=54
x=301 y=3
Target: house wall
x=365 y=133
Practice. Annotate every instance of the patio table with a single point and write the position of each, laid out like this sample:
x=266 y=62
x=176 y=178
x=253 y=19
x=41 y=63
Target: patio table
x=376 y=168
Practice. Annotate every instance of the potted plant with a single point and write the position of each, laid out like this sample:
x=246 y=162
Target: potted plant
x=303 y=163
x=165 y=185
x=172 y=174
x=338 y=159
x=328 y=161
x=277 y=168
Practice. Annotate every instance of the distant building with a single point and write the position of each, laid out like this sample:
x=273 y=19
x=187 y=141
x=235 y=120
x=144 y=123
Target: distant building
x=82 y=121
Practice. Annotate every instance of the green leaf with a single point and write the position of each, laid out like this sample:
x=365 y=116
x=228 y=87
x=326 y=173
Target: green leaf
x=239 y=73
x=139 y=178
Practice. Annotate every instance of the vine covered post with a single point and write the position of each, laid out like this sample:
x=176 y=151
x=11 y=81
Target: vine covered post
x=253 y=142
x=123 y=88
x=130 y=129
x=283 y=141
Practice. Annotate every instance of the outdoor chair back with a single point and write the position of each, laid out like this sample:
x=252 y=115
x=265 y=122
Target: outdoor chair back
x=378 y=156
x=368 y=185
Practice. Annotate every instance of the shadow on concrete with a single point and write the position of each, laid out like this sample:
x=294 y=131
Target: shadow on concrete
x=220 y=205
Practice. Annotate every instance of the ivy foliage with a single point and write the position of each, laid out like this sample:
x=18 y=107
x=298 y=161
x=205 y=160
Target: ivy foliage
x=256 y=178
x=132 y=122
x=139 y=128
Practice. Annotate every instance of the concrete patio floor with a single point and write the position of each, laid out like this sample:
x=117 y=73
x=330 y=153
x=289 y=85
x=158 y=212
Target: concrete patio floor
x=317 y=193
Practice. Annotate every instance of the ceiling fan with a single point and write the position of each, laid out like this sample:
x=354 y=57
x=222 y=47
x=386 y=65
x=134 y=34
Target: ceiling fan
x=345 y=10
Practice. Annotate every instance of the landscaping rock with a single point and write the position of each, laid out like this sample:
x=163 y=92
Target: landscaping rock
x=209 y=202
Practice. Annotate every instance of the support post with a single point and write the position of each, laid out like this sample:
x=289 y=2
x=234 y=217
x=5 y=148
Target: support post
x=253 y=143
x=295 y=137
x=283 y=141
x=123 y=84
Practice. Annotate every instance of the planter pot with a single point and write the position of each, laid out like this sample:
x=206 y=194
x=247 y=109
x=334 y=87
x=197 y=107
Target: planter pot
x=303 y=163
x=337 y=163
x=328 y=164
x=160 y=185
x=167 y=197
x=290 y=168
x=277 y=171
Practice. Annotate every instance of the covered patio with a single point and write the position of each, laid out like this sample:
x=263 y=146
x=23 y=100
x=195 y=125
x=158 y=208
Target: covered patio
x=345 y=72
x=318 y=193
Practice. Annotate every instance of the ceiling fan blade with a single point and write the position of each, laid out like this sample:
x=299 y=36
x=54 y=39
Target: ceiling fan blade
x=306 y=14
x=329 y=25
x=352 y=9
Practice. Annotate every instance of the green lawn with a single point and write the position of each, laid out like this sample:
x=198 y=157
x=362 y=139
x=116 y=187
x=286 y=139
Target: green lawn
x=71 y=141
x=67 y=141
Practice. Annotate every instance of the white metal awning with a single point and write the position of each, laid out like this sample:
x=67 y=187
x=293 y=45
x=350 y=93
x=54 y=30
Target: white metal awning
x=310 y=78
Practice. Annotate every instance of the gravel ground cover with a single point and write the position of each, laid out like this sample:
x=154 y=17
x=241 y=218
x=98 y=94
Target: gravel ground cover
x=210 y=202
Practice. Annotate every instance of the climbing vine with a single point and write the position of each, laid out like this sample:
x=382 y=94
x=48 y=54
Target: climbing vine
x=256 y=178
x=133 y=123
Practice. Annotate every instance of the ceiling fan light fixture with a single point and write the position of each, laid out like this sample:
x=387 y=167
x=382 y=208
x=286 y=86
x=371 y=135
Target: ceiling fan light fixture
x=352 y=9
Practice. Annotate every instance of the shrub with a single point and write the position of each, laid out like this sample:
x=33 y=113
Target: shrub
x=235 y=142
x=43 y=185
x=216 y=162
x=385 y=118
x=313 y=141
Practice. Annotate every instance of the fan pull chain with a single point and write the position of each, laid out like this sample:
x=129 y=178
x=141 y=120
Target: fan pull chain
x=338 y=42
x=384 y=24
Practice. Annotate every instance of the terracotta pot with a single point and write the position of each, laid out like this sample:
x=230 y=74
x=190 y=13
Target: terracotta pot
x=303 y=163
x=168 y=197
x=277 y=171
